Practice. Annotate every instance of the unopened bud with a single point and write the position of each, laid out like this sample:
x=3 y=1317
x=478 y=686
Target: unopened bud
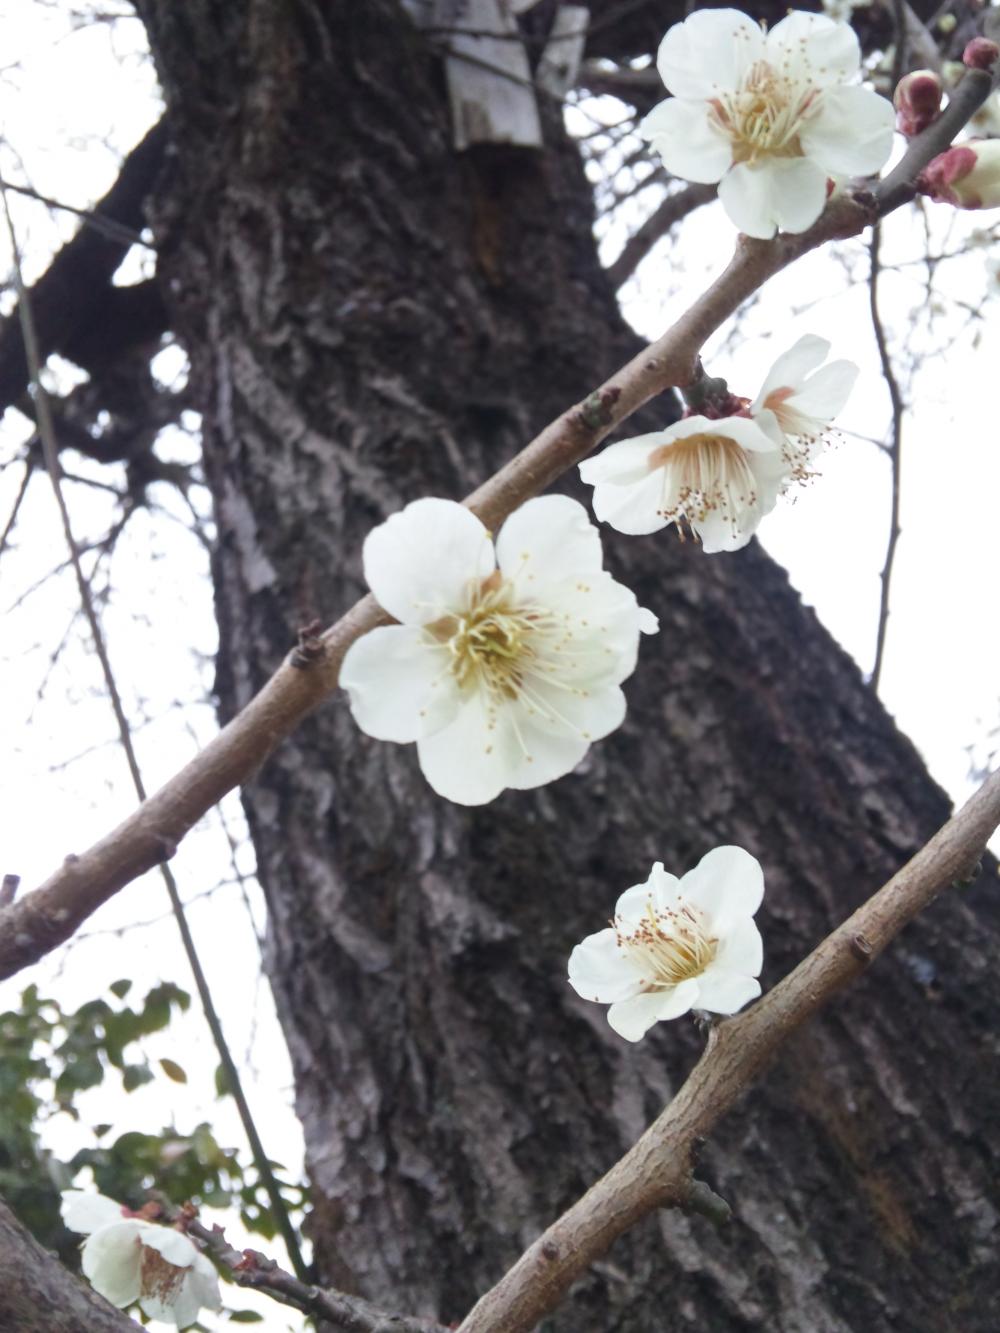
x=967 y=176
x=917 y=100
x=981 y=53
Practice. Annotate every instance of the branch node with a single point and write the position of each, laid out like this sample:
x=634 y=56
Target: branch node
x=702 y=1199
x=861 y=948
x=550 y=1250
x=710 y=395
x=595 y=411
x=310 y=647
x=8 y=889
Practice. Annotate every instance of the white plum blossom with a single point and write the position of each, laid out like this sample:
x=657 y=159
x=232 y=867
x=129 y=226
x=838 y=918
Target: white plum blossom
x=720 y=476
x=799 y=399
x=507 y=662
x=128 y=1259
x=677 y=944
x=767 y=115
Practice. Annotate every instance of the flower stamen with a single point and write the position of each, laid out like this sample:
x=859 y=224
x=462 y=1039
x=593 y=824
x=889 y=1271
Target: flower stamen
x=669 y=946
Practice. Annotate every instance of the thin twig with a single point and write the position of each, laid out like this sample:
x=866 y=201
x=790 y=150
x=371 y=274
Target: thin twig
x=50 y=453
x=656 y=1172
x=249 y=1268
x=894 y=451
x=674 y=207
x=109 y=227
x=12 y=519
x=48 y=916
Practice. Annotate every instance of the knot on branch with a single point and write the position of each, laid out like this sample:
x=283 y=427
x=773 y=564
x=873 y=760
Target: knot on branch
x=862 y=948
x=596 y=411
x=309 y=648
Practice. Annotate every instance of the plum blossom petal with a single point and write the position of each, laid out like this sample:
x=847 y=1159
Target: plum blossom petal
x=560 y=543
x=596 y=971
x=660 y=890
x=741 y=948
x=421 y=562
x=401 y=685
x=176 y=1248
x=771 y=118
x=633 y=510
x=723 y=992
x=826 y=392
x=85 y=1211
x=779 y=193
x=712 y=51
x=793 y=366
x=112 y=1261
x=633 y=1018
x=830 y=50
x=676 y=945
x=862 y=151
x=799 y=399
x=623 y=463
x=691 y=146
x=727 y=885
x=519 y=668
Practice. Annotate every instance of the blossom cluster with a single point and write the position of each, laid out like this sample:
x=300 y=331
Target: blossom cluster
x=508 y=657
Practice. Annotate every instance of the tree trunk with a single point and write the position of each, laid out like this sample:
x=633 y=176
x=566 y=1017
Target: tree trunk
x=38 y=1295
x=373 y=317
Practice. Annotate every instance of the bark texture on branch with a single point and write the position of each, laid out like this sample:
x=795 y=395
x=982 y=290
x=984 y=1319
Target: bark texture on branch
x=38 y=1295
x=372 y=317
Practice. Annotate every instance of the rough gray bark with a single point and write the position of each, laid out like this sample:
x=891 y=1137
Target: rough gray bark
x=38 y=1295
x=372 y=317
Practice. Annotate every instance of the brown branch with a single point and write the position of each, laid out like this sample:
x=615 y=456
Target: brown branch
x=39 y=1295
x=77 y=311
x=674 y=207
x=45 y=918
x=248 y=1268
x=895 y=454
x=656 y=1172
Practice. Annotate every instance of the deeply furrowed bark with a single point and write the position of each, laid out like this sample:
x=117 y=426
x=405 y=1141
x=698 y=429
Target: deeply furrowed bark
x=371 y=318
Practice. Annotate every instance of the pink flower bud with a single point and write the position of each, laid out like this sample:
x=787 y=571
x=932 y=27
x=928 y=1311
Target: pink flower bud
x=981 y=53
x=967 y=176
x=917 y=100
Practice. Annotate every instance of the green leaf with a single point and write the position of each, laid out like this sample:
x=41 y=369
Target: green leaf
x=245 y=1317
x=134 y=1076
x=120 y=988
x=173 y=1070
x=222 y=1087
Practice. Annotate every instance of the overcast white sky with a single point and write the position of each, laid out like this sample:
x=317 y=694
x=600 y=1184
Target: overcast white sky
x=71 y=103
